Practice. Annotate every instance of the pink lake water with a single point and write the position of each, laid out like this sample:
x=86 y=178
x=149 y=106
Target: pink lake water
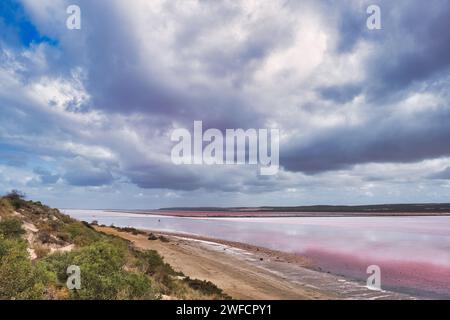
x=412 y=252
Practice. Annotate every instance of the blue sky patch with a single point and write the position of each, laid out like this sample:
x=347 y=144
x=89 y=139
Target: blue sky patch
x=18 y=26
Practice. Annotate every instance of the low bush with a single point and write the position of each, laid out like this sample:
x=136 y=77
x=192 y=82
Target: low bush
x=44 y=237
x=153 y=263
x=63 y=236
x=164 y=239
x=103 y=275
x=19 y=278
x=205 y=287
x=87 y=225
x=152 y=237
x=80 y=234
x=131 y=230
x=41 y=251
x=11 y=228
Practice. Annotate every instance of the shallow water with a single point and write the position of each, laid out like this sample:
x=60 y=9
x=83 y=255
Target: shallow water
x=412 y=252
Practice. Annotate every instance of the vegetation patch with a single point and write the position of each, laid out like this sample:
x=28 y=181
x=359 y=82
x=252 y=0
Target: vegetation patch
x=206 y=287
x=164 y=239
x=131 y=230
x=152 y=237
x=111 y=268
x=103 y=273
x=11 y=228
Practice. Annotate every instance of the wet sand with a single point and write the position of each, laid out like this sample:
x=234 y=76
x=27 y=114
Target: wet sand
x=250 y=272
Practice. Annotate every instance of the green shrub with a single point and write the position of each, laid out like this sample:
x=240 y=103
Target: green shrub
x=80 y=234
x=102 y=273
x=137 y=286
x=64 y=236
x=11 y=228
x=131 y=230
x=205 y=287
x=19 y=278
x=153 y=263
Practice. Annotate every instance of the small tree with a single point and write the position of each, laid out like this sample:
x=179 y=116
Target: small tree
x=16 y=198
x=16 y=194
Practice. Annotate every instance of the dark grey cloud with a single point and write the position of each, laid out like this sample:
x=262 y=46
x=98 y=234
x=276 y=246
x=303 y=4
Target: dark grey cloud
x=401 y=140
x=152 y=177
x=350 y=23
x=340 y=94
x=80 y=172
x=414 y=47
x=46 y=177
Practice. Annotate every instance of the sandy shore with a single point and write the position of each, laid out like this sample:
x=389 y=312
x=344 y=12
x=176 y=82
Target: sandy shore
x=248 y=272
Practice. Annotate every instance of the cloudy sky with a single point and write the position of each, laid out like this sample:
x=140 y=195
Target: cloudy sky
x=86 y=115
